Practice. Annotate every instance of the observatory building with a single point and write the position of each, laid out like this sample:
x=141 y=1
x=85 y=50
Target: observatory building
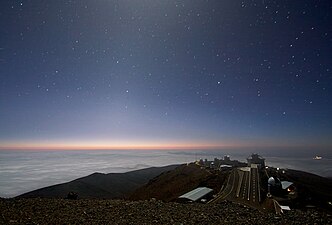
x=256 y=159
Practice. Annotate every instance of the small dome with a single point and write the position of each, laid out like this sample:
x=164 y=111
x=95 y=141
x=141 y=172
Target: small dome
x=271 y=181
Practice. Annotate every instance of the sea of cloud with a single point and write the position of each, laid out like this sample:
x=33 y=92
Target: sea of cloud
x=23 y=171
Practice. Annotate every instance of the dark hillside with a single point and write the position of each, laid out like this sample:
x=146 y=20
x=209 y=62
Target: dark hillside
x=170 y=185
x=98 y=185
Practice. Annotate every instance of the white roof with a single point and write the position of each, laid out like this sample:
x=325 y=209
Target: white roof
x=197 y=193
x=284 y=207
x=225 y=166
x=245 y=169
x=286 y=184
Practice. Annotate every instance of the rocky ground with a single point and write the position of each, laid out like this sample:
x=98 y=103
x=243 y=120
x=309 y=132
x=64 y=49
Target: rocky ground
x=62 y=211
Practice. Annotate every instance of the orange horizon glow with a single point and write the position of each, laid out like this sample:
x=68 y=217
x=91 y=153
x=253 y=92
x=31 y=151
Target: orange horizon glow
x=112 y=146
x=100 y=147
x=134 y=145
x=108 y=147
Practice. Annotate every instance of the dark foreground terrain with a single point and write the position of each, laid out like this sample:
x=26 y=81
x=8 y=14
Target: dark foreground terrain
x=61 y=211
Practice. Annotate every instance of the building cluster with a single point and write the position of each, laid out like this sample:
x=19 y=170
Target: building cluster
x=226 y=162
x=220 y=164
x=276 y=187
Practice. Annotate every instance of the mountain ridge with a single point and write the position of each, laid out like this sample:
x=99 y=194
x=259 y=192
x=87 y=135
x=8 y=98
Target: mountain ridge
x=100 y=185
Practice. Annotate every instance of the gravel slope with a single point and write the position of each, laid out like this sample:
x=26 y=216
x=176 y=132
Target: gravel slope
x=61 y=211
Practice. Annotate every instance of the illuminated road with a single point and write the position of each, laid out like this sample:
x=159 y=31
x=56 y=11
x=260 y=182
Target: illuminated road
x=243 y=185
x=249 y=186
x=227 y=190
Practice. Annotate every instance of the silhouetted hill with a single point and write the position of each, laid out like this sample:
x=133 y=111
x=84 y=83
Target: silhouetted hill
x=98 y=185
x=169 y=185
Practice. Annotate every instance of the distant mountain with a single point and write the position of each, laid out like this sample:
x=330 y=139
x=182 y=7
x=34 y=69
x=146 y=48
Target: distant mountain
x=99 y=185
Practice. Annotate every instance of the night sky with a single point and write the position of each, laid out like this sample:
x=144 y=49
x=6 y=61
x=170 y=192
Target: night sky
x=165 y=74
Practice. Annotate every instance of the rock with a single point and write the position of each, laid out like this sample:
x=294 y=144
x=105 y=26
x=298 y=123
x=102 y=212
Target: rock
x=72 y=195
x=60 y=211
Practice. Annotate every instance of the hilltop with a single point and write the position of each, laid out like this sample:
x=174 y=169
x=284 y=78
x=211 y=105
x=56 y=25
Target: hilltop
x=170 y=185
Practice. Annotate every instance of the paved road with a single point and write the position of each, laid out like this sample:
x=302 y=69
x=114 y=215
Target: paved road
x=227 y=190
x=243 y=186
